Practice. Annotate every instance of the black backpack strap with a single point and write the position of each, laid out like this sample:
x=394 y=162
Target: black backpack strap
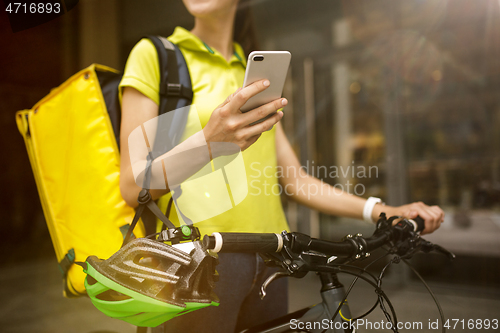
x=175 y=92
x=173 y=83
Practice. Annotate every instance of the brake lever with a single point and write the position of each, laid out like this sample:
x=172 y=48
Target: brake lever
x=444 y=251
x=271 y=278
x=427 y=247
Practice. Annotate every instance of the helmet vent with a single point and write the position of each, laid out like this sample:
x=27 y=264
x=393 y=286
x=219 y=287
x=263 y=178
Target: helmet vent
x=90 y=280
x=112 y=295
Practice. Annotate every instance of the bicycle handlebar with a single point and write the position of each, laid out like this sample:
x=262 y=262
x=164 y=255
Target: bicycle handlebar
x=243 y=242
x=269 y=242
x=298 y=254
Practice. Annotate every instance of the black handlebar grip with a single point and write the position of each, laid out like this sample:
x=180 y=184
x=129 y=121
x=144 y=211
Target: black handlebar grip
x=419 y=222
x=243 y=242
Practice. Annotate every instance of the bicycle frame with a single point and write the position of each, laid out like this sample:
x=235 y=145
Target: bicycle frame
x=317 y=318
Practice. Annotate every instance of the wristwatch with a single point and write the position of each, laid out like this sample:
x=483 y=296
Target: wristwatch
x=368 y=208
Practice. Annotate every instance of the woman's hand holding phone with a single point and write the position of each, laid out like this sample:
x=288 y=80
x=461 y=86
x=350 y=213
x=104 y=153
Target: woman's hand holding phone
x=228 y=124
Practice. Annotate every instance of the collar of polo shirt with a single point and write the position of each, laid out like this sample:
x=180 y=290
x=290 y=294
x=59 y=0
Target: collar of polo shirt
x=187 y=40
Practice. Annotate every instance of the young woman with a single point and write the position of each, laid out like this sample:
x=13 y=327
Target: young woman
x=217 y=66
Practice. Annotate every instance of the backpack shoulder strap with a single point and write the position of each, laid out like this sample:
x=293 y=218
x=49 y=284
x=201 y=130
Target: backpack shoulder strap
x=175 y=81
x=175 y=93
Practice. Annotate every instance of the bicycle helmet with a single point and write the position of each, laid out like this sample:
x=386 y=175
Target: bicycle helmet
x=148 y=282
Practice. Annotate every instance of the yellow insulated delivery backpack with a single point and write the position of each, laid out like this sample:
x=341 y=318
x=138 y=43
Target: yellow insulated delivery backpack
x=72 y=136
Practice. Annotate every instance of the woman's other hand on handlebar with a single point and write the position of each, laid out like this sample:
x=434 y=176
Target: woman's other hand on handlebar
x=432 y=215
x=228 y=124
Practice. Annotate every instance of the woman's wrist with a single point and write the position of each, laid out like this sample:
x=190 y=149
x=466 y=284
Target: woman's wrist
x=380 y=208
x=377 y=210
x=205 y=135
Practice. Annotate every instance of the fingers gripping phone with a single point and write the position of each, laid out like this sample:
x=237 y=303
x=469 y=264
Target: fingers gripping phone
x=271 y=65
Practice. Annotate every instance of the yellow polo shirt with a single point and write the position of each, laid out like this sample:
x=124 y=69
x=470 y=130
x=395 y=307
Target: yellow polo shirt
x=213 y=80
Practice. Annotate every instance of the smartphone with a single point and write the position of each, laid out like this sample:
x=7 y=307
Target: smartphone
x=271 y=65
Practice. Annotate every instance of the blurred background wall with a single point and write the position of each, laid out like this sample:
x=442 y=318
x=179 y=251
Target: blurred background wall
x=409 y=88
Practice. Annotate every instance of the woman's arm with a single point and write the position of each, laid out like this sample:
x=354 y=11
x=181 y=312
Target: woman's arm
x=132 y=102
x=226 y=124
x=327 y=199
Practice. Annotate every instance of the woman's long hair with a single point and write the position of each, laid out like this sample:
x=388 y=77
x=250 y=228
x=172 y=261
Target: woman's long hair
x=244 y=27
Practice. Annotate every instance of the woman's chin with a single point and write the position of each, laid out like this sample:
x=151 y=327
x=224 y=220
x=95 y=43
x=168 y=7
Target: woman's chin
x=203 y=8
